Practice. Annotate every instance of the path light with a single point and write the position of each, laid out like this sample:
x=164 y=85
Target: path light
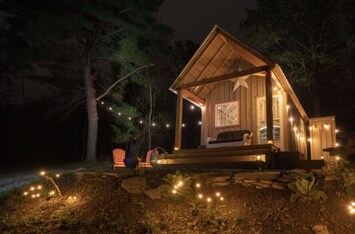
x=200 y=196
x=198 y=185
x=174 y=191
x=25 y=193
x=42 y=173
x=218 y=194
x=39 y=187
x=57 y=175
x=222 y=198
x=337 y=158
x=209 y=199
x=32 y=188
x=352 y=208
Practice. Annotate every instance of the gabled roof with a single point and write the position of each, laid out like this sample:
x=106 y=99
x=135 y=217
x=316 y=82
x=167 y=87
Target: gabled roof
x=217 y=56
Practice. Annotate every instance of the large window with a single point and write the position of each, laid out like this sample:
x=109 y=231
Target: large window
x=262 y=118
x=227 y=114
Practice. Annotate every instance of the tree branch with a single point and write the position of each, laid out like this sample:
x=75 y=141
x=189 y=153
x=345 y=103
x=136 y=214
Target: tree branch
x=121 y=79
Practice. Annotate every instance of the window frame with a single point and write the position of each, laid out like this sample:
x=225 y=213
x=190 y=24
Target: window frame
x=237 y=114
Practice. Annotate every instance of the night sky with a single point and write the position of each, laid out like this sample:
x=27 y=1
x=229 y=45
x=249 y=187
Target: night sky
x=193 y=19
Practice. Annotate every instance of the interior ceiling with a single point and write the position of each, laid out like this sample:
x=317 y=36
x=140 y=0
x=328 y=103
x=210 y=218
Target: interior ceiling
x=222 y=56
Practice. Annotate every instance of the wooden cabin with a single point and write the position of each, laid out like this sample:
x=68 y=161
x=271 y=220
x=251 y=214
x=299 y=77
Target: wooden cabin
x=238 y=89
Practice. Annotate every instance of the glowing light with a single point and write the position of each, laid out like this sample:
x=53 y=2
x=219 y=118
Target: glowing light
x=33 y=196
x=39 y=187
x=180 y=183
x=159 y=161
x=297 y=135
x=337 y=158
x=52 y=193
x=222 y=198
x=42 y=173
x=336 y=130
x=57 y=175
x=74 y=197
x=352 y=208
x=326 y=126
x=174 y=191
x=336 y=144
x=198 y=185
x=218 y=194
x=270 y=142
x=275 y=88
x=310 y=128
x=295 y=129
x=129 y=118
x=199 y=123
x=183 y=125
x=192 y=107
x=322 y=157
x=168 y=125
x=175 y=187
x=309 y=139
x=302 y=138
x=176 y=148
x=38 y=195
x=32 y=188
x=209 y=199
x=102 y=103
x=110 y=108
x=140 y=121
x=25 y=193
x=258 y=157
x=291 y=119
x=287 y=107
x=200 y=196
x=119 y=113
x=153 y=124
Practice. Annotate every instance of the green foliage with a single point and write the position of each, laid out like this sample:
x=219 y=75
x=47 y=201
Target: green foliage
x=305 y=187
x=344 y=175
x=212 y=217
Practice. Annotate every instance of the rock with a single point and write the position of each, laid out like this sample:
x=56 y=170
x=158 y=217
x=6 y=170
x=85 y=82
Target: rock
x=261 y=184
x=320 y=229
x=220 y=184
x=298 y=172
x=153 y=194
x=284 y=179
x=270 y=175
x=164 y=187
x=249 y=181
x=266 y=181
x=134 y=185
x=220 y=178
x=276 y=186
x=258 y=187
x=330 y=178
x=80 y=169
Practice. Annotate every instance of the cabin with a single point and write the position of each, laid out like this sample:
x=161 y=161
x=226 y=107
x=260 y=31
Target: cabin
x=251 y=117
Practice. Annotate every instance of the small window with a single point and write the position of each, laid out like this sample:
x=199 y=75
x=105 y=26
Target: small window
x=226 y=114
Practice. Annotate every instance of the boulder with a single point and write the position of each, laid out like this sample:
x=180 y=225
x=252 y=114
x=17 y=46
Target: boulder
x=153 y=194
x=134 y=185
x=320 y=229
x=270 y=175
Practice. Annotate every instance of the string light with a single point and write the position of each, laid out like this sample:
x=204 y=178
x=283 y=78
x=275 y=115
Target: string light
x=140 y=121
x=310 y=128
x=222 y=198
x=192 y=107
x=183 y=125
x=39 y=187
x=153 y=124
x=209 y=199
x=295 y=129
x=119 y=113
x=287 y=107
x=167 y=125
x=32 y=188
x=218 y=194
x=102 y=103
x=129 y=118
x=25 y=193
x=42 y=173
x=199 y=123
x=174 y=191
x=110 y=108
x=200 y=196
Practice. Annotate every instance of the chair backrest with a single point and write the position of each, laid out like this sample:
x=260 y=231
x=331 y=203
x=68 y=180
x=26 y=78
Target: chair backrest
x=147 y=157
x=118 y=155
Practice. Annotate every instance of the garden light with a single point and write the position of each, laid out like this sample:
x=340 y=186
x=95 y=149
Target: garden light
x=38 y=195
x=209 y=199
x=39 y=187
x=222 y=199
x=32 y=188
x=218 y=194
x=175 y=187
x=33 y=196
x=200 y=196
x=198 y=185
x=337 y=158
x=174 y=191
x=25 y=193
x=352 y=208
x=42 y=173
x=57 y=175
x=51 y=193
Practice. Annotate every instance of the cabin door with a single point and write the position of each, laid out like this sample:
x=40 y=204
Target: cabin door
x=277 y=118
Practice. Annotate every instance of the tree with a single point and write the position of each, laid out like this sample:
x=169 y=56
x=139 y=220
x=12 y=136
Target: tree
x=308 y=38
x=80 y=37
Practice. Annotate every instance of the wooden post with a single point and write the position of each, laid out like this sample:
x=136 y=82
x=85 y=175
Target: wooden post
x=308 y=144
x=269 y=115
x=178 y=120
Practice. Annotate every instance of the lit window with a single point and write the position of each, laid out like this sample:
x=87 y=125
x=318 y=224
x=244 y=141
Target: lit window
x=262 y=118
x=227 y=114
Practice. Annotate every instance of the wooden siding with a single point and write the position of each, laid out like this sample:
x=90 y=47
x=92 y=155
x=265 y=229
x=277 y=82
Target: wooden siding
x=322 y=135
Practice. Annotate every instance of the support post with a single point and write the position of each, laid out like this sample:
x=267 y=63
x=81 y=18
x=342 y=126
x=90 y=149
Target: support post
x=178 y=119
x=269 y=115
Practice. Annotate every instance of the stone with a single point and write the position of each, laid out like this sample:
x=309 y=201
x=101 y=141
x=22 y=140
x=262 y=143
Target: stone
x=330 y=178
x=266 y=181
x=298 y=171
x=220 y=178
x=249 y=181
x=153 y=194
x=220 y=184
x=164 y=187
x=134 y=185
x=258 y=187
x=261 y=184
x=320 y=229
x=270 y=175
x=276 y=186
x=80 y=169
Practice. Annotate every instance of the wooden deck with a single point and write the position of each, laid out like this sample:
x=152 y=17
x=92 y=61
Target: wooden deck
x=240 y=157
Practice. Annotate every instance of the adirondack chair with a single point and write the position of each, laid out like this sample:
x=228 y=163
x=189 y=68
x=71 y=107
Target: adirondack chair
x=147 y=160
x=118 y=157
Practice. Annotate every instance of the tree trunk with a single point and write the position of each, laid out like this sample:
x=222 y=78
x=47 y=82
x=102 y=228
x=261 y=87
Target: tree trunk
x=91 y=110
x=150 y=118
x=316 y=100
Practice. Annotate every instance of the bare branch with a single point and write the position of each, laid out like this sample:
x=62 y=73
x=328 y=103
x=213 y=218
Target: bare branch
x=121 y=79
x=110 y=34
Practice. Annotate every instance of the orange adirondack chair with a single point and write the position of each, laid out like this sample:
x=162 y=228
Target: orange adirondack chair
x=147 y=160
x=118 y=157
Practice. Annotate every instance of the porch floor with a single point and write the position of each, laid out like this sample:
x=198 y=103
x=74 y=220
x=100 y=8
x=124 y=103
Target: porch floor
x=243 y=157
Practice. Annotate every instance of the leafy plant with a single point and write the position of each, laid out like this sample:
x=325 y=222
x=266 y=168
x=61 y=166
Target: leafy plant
x=181 y=184
x=344 y=175
x=212 y=217
x=305 y=187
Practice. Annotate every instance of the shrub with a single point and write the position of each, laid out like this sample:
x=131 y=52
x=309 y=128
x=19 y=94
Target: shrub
x=305 y=187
